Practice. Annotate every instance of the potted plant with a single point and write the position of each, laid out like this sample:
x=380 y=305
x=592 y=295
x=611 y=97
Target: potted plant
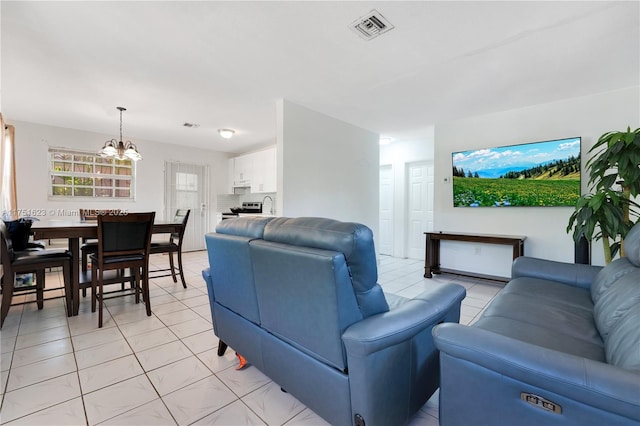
x=614 y=175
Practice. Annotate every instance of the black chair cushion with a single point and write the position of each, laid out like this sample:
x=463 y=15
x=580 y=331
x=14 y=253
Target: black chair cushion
x=109 y=260
x=163 y=247
x=90 y=246
x=34 y=246
x=38 y=256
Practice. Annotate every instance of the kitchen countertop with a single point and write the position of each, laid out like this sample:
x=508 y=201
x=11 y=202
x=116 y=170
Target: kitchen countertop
x=256 y=214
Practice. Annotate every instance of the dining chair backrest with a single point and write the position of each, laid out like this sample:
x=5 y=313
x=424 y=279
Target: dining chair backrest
x=124 y=235
x=7 y=246
x=18 y=232
x=182 y=216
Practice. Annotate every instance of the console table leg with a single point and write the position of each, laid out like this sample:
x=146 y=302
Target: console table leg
x=431 y=256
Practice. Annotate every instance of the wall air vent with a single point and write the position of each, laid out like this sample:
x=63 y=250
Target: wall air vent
x=371 y=25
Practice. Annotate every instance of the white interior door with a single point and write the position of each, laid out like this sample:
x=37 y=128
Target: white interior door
x=186 y=187
x=386 y=210
x=419 y=206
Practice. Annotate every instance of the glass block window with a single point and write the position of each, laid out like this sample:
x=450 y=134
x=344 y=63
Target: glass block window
x=84 y=174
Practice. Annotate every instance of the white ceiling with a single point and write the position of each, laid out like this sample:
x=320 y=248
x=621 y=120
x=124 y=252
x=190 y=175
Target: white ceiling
x=224 y=64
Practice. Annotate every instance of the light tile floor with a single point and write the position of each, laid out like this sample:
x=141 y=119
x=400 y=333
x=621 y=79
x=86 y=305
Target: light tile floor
x=163 y=369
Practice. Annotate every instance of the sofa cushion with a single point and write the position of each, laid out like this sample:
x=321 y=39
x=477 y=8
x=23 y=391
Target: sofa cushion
x=307 y=310
x=546 y=291
x=622 y=345
x=352 y=239
x=548 y=314
x=621 y=297
x=632 y=245
x=609 y=275
x=232 y=272
x=542 y=336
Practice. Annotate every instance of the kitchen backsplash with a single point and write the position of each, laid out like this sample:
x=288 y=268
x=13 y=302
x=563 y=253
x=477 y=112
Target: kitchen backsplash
x=226 y=201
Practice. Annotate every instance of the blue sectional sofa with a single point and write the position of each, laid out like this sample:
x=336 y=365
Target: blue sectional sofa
x=299 y=299
x=560 y=345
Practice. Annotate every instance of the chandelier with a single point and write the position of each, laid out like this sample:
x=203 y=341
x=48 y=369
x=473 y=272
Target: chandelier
x=118 y=149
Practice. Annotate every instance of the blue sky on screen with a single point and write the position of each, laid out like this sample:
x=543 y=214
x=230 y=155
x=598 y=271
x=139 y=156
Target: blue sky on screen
x=515 y=157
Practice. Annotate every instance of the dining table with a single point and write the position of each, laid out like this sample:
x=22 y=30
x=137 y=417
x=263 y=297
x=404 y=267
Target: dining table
x=74 y=230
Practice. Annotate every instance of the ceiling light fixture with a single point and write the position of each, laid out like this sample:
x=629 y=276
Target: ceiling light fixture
x=385 y=140
x=118 y=149
x=226 y=133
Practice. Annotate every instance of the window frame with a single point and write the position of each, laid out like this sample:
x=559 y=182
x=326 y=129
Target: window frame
x=94 y=161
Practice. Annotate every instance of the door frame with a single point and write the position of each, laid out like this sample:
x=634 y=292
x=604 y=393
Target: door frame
x=392 y=207
x=196 y=211
x=407 y=202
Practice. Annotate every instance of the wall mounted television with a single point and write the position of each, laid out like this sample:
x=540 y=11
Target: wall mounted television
x=539 y=174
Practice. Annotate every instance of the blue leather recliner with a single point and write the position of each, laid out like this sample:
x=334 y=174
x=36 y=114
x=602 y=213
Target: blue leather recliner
x=560 y=345
x=299 y=299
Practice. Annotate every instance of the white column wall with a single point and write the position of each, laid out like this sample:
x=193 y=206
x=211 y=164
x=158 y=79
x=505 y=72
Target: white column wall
x=326 y=167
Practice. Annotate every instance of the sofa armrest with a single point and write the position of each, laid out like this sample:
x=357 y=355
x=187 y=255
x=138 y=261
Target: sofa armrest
x=573 y=274
x=206 y=275
x=400 y=324
x=395 y=351
x=589 y=382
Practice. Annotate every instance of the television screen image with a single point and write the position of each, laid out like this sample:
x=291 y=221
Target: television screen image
x=536 y=174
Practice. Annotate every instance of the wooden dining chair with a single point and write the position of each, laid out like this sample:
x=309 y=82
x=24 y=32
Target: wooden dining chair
x=171 y=246
x=89 y=245
x=30 y=261
x=123 y=243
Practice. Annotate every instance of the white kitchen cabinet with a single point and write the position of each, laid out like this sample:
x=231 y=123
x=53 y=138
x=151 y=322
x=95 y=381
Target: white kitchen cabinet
x=243 y=170
x=257 y=170
x=264 y=171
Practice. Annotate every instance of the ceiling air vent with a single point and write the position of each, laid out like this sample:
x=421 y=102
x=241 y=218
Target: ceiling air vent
x=371 y=25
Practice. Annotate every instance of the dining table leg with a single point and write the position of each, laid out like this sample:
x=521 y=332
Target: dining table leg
x=74 y=248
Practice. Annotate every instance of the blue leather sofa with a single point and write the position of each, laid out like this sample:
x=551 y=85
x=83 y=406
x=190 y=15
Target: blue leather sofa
x=560 y=345
x=299 y=299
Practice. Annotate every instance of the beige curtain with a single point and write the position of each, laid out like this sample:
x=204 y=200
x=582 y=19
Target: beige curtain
x=8 y=197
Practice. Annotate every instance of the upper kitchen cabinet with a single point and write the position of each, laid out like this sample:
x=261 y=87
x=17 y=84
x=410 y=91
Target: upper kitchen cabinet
x=243 y=170
x=263 y=178
x=256 y=170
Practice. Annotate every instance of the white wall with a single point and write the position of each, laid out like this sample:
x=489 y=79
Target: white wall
x=398 y=155
x=545 y=228
x=33 y=141
x=326 y=167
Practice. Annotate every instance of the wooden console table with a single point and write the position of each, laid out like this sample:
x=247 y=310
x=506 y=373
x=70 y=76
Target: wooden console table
x=432 y=250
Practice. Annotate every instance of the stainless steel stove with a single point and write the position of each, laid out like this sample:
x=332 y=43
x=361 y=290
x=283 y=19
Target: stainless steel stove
x=247 y=207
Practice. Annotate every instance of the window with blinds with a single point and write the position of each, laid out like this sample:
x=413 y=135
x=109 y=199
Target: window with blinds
x=85 y=174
